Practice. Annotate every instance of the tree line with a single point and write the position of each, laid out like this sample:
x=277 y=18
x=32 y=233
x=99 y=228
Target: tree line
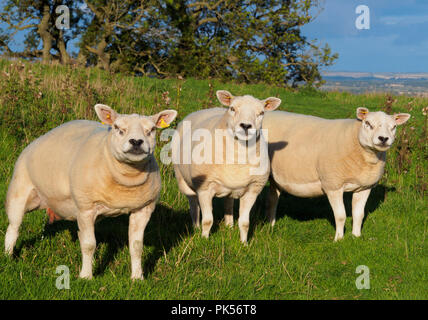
x=244 y=40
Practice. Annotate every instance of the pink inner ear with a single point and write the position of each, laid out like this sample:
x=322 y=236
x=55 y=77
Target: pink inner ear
x=401 y=118
x=166 y=117
x=271 y=104
x=224 y=98
x=107 y=116
x=268 y=105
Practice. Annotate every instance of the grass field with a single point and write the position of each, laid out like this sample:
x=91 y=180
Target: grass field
x=297 y=259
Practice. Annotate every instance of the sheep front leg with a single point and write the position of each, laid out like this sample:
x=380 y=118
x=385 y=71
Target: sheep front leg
x=206 y=204
x=137 y=224
x=245 y=204
x=336 y=201
x=359 y=200
x=85 y=222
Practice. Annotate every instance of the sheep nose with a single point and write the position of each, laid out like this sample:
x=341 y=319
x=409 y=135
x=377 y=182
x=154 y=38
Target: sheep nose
x=245 y=126
x=136 y=143
x=383 y=139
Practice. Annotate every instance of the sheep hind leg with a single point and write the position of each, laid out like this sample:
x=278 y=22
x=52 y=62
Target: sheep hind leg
x=21 y=198
x=191 y=196
x=272 y=202
x=228 y=211
x=194 y=210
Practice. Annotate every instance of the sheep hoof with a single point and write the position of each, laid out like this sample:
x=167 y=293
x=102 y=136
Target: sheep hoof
x=356 y=234
x=228 y=224
x=337 y=238
x=86 y=276
x=137 y=278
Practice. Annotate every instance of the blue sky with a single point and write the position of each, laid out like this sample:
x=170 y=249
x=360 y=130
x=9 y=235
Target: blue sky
x=397 y=40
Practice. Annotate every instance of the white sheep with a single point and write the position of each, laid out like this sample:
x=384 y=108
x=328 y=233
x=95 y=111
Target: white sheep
x=83 y=170
x=311 y=156
x=230 y=134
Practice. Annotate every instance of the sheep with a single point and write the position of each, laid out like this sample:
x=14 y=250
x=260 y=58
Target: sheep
x=311 y=156
x=231 y=133
x=84 y=170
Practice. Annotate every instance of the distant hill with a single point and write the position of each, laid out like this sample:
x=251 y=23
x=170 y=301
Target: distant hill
x=412 y=84
x=376 y=75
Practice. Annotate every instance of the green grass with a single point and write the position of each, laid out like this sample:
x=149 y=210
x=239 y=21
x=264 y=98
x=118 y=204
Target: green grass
x=297 y=259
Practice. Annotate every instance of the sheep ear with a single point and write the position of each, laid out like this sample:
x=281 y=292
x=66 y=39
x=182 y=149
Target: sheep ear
x=106 y=114
x=225 y=97
x=401 y=118
x=164 y=118
x=362 y=113
x=271 y=103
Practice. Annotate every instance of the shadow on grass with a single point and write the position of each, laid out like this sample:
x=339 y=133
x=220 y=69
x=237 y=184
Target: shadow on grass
x=164 y=231
x=302 y=209
x=167 y=226
x=305 y=209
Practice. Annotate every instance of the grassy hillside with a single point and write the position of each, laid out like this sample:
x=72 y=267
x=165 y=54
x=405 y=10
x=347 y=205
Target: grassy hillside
x=295 y=260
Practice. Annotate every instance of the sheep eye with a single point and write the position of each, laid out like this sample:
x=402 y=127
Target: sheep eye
x=262 y=113
x=153 y=130
x=232 y=109
x=117 y=128
x=393 y=128
x=369 y=125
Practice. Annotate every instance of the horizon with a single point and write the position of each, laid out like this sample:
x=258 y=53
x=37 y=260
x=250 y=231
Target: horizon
x=350 y=71
x=374 y=73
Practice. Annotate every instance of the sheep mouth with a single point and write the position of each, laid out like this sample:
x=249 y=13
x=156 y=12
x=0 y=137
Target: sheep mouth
x=382 y=146
x=246 y=135
x=136 y=151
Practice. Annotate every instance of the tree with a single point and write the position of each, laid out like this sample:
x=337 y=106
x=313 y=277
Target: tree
x=245 y=40
x=38 y=19
x=112 y=19
x=198 y=24
x=248 y=40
